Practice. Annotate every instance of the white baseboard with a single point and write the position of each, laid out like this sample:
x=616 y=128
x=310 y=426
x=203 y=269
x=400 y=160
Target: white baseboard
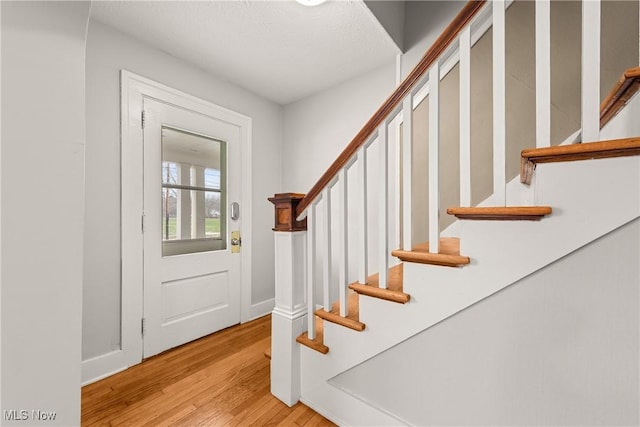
x=345 y=409
x=102 y=366
x=262 y=308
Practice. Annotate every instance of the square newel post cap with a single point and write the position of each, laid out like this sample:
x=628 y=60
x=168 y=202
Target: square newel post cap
x=285 y=212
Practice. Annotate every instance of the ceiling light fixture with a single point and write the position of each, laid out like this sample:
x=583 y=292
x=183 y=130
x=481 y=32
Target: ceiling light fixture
x=311 y=2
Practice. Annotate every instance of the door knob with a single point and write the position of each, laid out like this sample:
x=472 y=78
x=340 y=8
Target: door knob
x=236 y=241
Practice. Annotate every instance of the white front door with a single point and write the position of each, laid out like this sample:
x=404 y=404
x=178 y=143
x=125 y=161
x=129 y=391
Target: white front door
x=191 y=218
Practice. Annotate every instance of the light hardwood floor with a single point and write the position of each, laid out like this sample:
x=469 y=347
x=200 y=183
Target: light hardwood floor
x=221 y=379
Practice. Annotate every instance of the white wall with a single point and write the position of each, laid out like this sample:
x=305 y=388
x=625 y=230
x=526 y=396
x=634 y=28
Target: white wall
x=424 y=21
x=109 y=51
x=559 y=347
x=319 y=127
x=43 y=142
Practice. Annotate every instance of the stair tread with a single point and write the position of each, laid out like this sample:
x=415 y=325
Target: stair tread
x=574 y=152
x=624 y=89
x=448 y=255
x=316 y=344
x=393 y=292
x=352 y=320
x=584 y=151
x=501 y=212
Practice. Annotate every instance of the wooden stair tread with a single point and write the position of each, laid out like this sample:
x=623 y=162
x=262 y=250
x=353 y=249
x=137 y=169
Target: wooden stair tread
x=316 y=344
x=574 y=152
x=624 y=89
x=352 y=320
x=508 y=213
x=584 y=151
x=393 y=292
x=448 y=255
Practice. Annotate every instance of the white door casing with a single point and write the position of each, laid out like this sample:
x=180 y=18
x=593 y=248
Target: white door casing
x=134 y=90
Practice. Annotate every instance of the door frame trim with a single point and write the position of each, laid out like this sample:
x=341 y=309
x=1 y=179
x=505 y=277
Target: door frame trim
x=133 y=90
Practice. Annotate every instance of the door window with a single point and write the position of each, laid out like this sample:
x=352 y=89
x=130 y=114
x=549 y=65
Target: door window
x=193 y=193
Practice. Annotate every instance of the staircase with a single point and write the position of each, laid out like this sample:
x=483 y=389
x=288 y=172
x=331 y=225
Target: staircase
x=566 y=197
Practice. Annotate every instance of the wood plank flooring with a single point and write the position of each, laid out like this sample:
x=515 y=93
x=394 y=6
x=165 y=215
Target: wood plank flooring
x=219 y=380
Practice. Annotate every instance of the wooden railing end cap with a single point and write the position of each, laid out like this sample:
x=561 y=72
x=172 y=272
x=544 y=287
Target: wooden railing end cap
x=284 y=197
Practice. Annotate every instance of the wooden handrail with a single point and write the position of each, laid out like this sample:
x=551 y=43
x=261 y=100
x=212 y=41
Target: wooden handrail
x=447 y=37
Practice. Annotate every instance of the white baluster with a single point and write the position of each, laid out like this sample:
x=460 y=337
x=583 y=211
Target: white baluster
x=434 y=157
x=363 y=241
x=327 y=253
x=590 y=70
x=465 y=117
x=383 y=206
x=394 y=188
x=407 y=154
x=543 y=73
x=311 y=257
x=343 y=240
x=499 y=104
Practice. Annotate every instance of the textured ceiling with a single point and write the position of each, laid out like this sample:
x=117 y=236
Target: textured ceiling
x=278 y=49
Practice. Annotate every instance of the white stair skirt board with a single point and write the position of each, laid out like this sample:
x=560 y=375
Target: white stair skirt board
x=589 y=198
x=333 y=403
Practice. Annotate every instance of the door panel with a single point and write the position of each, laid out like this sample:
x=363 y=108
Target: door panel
x=191 y=174
x=194 y=295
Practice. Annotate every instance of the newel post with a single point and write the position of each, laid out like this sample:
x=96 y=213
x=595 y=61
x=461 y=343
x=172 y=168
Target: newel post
x=289 y=315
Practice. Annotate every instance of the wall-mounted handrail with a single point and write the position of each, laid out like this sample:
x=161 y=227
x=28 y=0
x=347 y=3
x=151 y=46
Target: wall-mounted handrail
x=448 y=36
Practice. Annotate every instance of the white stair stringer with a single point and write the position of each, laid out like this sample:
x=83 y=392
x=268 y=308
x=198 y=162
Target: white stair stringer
x=589 y=199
